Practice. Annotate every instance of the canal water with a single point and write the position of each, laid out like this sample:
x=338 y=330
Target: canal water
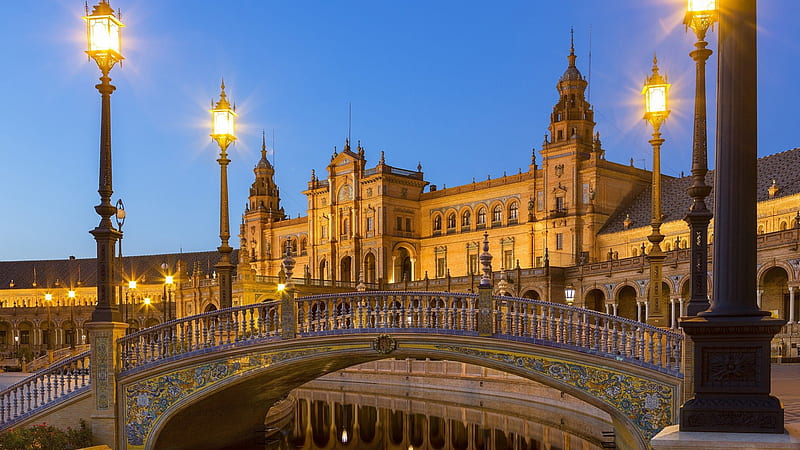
x=335 y=414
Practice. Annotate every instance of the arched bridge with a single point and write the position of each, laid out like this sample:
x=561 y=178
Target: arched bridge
x=209 y=379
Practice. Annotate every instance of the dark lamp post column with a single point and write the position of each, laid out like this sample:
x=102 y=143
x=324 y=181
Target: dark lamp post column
x=732 y=338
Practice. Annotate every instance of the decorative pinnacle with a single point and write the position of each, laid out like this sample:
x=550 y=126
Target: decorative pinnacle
x=223 y=102
x=486 y=262
x=571 y=56
x=263 y=145
x=288 y=262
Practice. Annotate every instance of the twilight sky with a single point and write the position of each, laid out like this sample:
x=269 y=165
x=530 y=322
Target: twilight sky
x=464 y=87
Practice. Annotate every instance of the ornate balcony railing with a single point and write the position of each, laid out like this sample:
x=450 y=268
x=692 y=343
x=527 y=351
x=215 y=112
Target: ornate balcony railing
x=43 y=389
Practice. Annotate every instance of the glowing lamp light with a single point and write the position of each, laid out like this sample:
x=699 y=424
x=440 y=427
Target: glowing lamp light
x=147 y=300
x=104 y=35
x=223 y=120
x=569 y=294
x=281 y=287
x=656 y=94
x=71 y=294
x=700 y=15
x=132 y=284
x=344 y=437
x=48 y=297
x=168 y=279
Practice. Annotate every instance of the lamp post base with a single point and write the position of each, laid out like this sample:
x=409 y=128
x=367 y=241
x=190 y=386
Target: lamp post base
x=732 y=375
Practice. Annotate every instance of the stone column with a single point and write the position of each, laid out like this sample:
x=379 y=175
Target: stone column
x=681 y=311
x=638 y=311
x=646 y=311
x=759 y=294
x=672 y=313
x=791 y=304
x=105 y=365
x=615 y=308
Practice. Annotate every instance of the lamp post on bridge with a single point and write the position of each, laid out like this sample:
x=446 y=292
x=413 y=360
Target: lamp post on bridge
x=105 y=327
x=223 y=131
x=656 y=93
x=700 y=16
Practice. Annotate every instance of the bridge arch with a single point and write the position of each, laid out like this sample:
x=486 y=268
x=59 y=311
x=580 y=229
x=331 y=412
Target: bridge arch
x=226 y=394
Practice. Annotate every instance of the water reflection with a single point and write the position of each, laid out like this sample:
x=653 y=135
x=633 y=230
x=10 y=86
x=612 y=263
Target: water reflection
x=321 y=418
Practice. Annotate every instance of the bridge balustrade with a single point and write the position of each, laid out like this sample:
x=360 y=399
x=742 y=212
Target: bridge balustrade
x=223 y=327
x=44 y=388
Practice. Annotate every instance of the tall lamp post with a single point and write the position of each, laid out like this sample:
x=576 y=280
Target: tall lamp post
x=656 y=92
x=48 y=298
x=103 y=31
x=223 y=120
x=120 y=219
x=73 y=335
x=168 y=283
x=700 y=15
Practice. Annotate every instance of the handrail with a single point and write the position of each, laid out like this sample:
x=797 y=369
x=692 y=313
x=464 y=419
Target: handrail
x=519 y=319
x=211 y=329
x=44 y=388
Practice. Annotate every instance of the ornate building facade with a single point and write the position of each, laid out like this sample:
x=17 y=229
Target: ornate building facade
x=573 y=220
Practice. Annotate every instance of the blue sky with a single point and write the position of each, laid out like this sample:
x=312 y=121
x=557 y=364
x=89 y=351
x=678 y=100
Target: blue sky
x=464 y=87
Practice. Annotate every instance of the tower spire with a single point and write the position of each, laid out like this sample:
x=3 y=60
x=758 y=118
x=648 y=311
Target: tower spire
x=571 y=56
x=263 y=144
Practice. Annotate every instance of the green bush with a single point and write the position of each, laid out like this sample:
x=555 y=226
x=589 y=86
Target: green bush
x=46 y=437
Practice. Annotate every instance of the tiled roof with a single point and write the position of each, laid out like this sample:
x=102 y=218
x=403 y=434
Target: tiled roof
x=66 y=272
x=675 y=202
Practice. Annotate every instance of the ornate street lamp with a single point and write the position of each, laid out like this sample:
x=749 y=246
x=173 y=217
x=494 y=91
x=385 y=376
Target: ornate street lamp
x=569 y=294
x=49 y=299
x=120 y=219
x=103 y=31
x=656 y=111
x=168 y=283
x=223 y=130
x=74 y=336
x=700 y=15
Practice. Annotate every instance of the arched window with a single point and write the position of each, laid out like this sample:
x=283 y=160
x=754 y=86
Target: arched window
x=482 y=216
x=303 y=245
x=451 y=220
x=294 y=246
x=497 y=214
x=466 y=218
x=346 y=227
x=513 y=211
x=437 y=223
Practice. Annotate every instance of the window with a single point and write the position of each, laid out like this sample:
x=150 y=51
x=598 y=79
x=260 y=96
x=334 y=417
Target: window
x=497 y=214
x=408 y=224
x=3 y=338
x=24 y=337
x=513 y=212
x=451 y=220
x=303 y=245
x=441 y=261
x=466 y=217
x=559 y=241
x=508 y=259
x=560 y=204
x=346 y=227
x=324 y=232
x=482 y=216
x=399 y=224
x=437 y=223
x=294 y=246
x=473 y=264
x=540 y=201
x=370 y=224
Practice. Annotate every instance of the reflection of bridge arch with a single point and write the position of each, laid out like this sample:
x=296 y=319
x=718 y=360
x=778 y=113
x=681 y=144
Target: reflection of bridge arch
x=174 y=390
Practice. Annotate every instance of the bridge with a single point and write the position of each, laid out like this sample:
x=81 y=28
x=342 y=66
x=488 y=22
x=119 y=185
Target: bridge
x=209 y=379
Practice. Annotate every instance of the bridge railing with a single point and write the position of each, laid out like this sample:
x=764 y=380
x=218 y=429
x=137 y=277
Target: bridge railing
x=211 y=329
x=44 y=388
x=521 y=319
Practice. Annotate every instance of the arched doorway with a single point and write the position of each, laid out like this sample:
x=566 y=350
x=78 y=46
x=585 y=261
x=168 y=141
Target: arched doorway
x=595 y=300
x=345 y=269
x=210 y=307
x=369 y=268
x=775 y=295
x=323 y=270
x=403 y=270
x=531 y=294
x=626 y=302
